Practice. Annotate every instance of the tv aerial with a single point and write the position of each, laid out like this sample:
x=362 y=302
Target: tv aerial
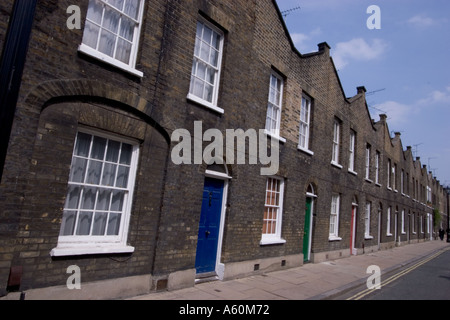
x=285 y=13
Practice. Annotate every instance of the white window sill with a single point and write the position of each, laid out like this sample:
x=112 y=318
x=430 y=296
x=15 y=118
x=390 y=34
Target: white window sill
x=388 y=234
x=270 y=134
x=265 y=242
x=311 y=153
x=205 y=103
x=368 y=237
x=377 y=184
x=368 y=180
x=352 y=172
x=334 y=238
x=337 y=165
x=116 y=63
x=92 y=249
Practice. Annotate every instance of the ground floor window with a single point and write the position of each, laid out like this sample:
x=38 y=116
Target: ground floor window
x=100 y=190
x=273 y=211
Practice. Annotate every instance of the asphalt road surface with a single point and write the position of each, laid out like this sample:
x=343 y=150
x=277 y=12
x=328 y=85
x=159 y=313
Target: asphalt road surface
x=427 y=279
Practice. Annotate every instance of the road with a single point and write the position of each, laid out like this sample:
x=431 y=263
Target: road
x=427 y=279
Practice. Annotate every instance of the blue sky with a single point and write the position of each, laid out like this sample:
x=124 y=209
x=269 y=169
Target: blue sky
x=405 y=64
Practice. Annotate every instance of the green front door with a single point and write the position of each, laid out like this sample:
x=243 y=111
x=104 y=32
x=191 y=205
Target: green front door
x=307 y=230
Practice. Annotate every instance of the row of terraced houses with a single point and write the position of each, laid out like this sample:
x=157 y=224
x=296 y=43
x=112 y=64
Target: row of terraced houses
x=89 y=118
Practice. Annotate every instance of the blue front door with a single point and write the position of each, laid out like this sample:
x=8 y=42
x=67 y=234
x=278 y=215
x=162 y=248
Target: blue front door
x=208 y=233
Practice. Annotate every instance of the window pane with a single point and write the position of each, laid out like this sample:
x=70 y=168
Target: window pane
x=94 y=171
x=201 y=71
x=112 y=154
x=104 y=197
x=68 y=223
x=88 y=200
x=109 y=175
x=111 y=20
x=132 y=8
x=123 y=51
x=73 y=196
x=125 y=156
x=84 y=223
x=98 y=148
x=207 y=34
x=82 y=145
x=114 y=224
x=78 y=170
x=127 y=29
x=208 y=92
x=122 y=177
x=98 y=229
x=117 y=201
x=116 y=3
x=107 y=43
x=95 y=11
x=90 y=35
x=204 y=52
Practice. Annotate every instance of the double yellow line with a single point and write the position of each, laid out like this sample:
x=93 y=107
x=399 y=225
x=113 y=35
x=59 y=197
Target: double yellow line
x=365 y=292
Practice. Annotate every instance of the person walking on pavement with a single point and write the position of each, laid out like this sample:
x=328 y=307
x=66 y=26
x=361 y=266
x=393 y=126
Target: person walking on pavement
x=441 y=234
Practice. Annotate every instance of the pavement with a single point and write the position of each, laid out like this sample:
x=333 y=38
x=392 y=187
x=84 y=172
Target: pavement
x=312 y=281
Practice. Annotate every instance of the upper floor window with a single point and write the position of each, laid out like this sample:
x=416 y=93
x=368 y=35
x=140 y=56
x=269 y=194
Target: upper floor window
x=368 y=162
x=112 y=31
x=377 y=167
x=352 y=147
x=206 y=66
x=336 y=142
x=305 y=123
x=273 y=118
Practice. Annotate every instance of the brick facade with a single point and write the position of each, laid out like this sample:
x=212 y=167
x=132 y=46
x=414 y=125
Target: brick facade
x=64 y=90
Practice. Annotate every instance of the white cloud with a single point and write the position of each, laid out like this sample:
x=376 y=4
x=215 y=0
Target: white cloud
x=397 y=113
x=421 y=21
x=304 y=41
x=358 y=49
x=437 y=97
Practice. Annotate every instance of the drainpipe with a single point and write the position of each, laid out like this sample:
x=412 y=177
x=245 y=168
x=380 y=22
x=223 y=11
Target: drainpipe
x=11 y=68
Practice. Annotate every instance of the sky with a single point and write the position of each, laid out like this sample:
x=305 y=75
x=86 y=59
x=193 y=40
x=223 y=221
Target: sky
x=404 y=64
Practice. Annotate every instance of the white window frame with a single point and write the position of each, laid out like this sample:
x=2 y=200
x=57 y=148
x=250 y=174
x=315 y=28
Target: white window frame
x=403 y=221
x=334 y=217
x=351 y=161
x=389 y=170
x=402 y=174
x=367 y=171
x=377 y=167
x=388 y=226
x=80 y=244
x=276 y=104
x=305 y=125
x=413 y=225
x=367 y=220
x=197 y=60
x=274 y=236
x=336 y=143
x=95 y=53
x=394 y=180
